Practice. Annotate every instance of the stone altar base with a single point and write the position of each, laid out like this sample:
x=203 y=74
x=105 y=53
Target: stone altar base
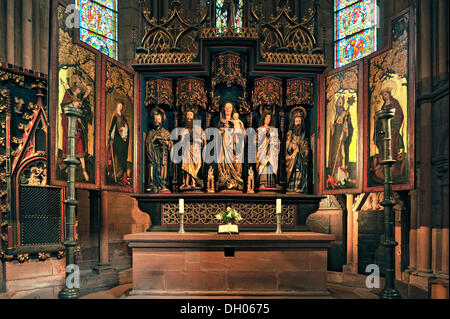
x=248 y=265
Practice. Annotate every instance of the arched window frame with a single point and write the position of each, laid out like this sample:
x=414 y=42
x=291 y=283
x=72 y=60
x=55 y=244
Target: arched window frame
x=364 y=33
x=94 y=36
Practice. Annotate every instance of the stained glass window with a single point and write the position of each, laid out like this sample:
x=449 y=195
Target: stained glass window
x=98 y=25
x=223 y=8
x=355 y=30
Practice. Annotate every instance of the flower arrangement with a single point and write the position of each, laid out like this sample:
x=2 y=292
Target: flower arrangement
x=229 y=216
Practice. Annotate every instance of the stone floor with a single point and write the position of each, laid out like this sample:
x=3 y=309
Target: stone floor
x=336 y=291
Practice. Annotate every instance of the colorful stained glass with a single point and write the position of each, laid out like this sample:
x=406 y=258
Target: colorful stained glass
x=111 y=4
x=355 y=30
x=98 y=25
x=355 y=47
x=341 y=4
x=222 y=15
x=104 y=45
x=355 y=18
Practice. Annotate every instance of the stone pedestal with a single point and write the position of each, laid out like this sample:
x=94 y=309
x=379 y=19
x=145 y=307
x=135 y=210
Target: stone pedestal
x=250 y=265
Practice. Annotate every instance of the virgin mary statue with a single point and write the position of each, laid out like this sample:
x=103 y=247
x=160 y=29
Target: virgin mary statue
x=231 y=151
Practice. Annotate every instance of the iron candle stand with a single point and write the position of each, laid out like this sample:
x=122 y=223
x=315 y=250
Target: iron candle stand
x=389 y=291
x=71 y=161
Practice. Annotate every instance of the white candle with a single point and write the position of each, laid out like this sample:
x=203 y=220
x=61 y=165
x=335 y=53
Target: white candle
x=181 y=205
x=278 y=205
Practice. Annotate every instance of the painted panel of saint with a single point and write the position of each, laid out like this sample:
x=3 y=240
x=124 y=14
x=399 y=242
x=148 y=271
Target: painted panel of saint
x=76 y=88
x=119 y=126
x=341 y=131
x=389 y=88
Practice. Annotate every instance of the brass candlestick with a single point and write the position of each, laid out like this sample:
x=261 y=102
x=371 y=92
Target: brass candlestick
x=73 y=114
x=389 y=291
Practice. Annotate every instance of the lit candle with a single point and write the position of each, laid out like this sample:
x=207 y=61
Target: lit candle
x=278 y=205
x=181 y=205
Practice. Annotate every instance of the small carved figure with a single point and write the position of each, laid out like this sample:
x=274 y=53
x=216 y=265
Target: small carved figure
x=251 y=181
x=210 y=186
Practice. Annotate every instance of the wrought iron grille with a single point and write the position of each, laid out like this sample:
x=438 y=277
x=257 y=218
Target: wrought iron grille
x=40 y=215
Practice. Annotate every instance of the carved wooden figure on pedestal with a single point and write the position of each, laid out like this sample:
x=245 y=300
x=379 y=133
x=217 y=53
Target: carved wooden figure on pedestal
x=192 y=162
x=267 y=155
x=297 y=153
x=232 y=150
x=157 y=147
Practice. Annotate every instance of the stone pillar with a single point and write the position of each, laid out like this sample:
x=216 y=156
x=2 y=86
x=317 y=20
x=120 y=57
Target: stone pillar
x=104 y=233
x=36 y=35
x=27 y=34
x=443 y=40
x=352 y=236
x=44 y=36
x=10 y=40
x=424 y=221
x=413 y=231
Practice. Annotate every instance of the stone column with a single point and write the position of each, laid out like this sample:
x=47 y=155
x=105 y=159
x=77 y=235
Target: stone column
x=36 y=35
x=44 y=36
x=27 y=34
x=104 y=232
x=443 y=40
x=352 y=235
x=413 y=231
x=10 y=40
x=424 y=221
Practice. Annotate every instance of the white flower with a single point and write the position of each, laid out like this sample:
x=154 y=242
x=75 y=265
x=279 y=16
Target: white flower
x=228 y=209
x=229 y=215
x=219 y=216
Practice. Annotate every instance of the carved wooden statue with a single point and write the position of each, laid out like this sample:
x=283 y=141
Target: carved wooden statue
x=192 y=162
x=297 y=153
x=157 y=146
x=268 y=150
x=232 y=150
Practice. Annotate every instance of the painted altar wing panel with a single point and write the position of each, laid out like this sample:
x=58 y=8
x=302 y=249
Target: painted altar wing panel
x=119 y=127
x=390 y=86
x=355 y=47
x=342 y=130
x=355 y=18
x=76 y=70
